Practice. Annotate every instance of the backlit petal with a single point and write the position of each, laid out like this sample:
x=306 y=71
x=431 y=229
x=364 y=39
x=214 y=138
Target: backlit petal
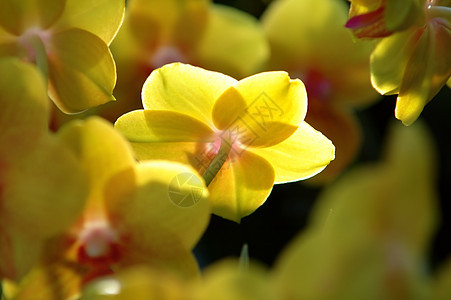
x=185 y=89
x=275 y=106
x=426 y=73
x=241 y=186
x=389 y=60
x=102 y=17
x=81 y=69
x=304 y=154
x=162 y=126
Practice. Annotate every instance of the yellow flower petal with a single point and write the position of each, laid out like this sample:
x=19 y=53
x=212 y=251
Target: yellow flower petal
x=167 y=197
x=185 y=89
x=183 y=152
x=19 y=252
x=174 y=22
x=241 y=186
x=395 y=220
x=303 y=155
x=92 y=16
x=17 y=16
x=275 y=106
x=22 y=96
x=57 y=193
x=401 y=14
x=389 y=60
x=102 y=151
x=252 y=124
x=241 y=35
x=162 y=126
x=81 y=69
x=427 y=71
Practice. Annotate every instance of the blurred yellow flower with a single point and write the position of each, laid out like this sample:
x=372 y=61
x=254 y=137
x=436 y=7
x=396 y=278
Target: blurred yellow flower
x=198 y=32
x=413 y=59
x=307 y=39
x=150 y=213
x=243 y=136
x=42 y=188
x=68 y=40
x=370 y=232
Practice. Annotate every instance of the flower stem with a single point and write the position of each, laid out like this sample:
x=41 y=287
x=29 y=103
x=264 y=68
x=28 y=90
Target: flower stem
x=216 y=164
x=40 y=55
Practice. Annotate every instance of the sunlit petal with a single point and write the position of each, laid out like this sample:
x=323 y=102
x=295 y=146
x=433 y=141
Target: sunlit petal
x=162 y=126
x=175 y=87
x=92 y=16
x=304 y=154
x=82 y=70
x=242 y=185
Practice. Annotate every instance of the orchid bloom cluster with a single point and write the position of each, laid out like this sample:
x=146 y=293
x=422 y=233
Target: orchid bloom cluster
x=125 y=125
x=411 y=58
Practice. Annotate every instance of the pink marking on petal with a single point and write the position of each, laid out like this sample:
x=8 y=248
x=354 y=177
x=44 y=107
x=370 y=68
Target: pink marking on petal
x=369 y=25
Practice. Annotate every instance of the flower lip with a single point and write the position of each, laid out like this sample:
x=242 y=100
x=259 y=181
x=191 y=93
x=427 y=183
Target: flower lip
x=99 y=243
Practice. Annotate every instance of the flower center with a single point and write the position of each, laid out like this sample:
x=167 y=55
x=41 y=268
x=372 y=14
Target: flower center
x=317 y=86
x=165 y=55
x=218 y=152
x=33 y=41
x=99 y=244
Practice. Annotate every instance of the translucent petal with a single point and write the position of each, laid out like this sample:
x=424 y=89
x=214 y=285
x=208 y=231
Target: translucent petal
x=186 y=89
x=81 y=70
x=162 y=126
x=241 y=186
x=303 y=155
x=102 y=17
x=389 y=60
x=426 y=73
x=275 y=106
x=241 y=34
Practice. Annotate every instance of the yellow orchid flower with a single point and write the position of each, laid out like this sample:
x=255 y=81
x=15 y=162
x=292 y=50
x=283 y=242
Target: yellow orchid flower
x=150 y=213
x=337 y=78
x=371 y=229
x=42 y=188
x=198 y=32
x=243 y=136
x=68 y=40
x=413 y=59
